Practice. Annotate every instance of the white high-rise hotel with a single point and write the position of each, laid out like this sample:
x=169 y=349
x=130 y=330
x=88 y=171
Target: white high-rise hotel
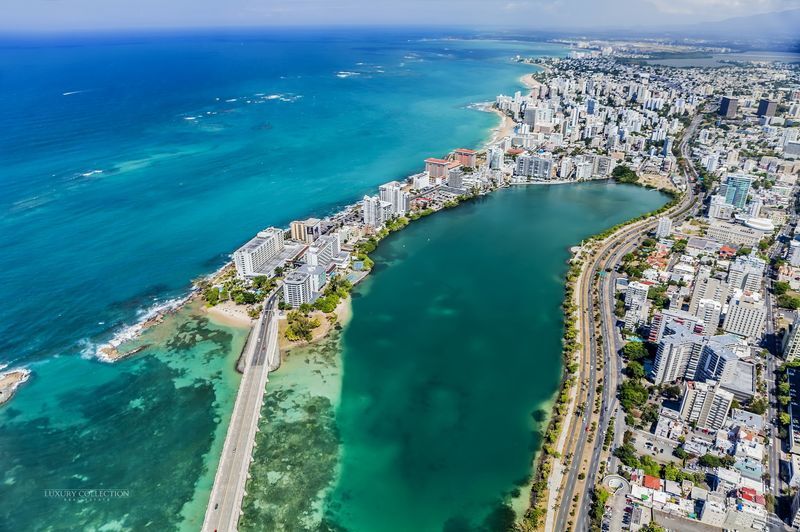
x=376 y=212
x=250 y=258
x=392 y=192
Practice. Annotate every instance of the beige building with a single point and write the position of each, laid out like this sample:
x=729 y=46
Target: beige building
x=745 y=317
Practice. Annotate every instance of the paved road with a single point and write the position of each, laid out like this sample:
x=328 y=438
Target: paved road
x=609 y=255
x=225 y=503
x=589 y=341
x=775 y=443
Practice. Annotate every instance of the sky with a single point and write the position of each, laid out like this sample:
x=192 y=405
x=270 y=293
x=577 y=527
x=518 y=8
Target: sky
x=60 y=15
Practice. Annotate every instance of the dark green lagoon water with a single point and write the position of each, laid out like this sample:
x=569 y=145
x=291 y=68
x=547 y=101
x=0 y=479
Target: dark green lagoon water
x=447 y=370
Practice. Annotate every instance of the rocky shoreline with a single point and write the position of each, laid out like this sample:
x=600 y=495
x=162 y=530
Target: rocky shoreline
x=10 y=381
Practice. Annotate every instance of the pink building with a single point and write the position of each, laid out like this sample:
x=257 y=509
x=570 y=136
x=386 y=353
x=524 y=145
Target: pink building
x=466 y=157
x=436 y=168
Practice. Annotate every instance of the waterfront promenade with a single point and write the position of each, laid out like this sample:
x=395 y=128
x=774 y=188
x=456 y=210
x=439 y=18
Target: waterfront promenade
x=260 y=353
x=578 y=429
x=589 y=303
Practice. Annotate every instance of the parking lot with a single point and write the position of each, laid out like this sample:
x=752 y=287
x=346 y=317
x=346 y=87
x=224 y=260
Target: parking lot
x=657 y=448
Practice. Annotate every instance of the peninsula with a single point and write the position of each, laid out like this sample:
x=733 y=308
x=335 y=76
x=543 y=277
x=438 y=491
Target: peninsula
x=590 y=116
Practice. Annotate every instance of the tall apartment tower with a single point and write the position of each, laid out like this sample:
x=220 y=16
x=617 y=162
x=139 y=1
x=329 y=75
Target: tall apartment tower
x=664 y=227
x=706 y=404
x=767 y=107
x=791 y=340
x=747 y=273
x=706 y=287
x=728 y=106
x=372 y=211
x=306 y=230
x=392 y=192
x=745 y=317
x=738 y=187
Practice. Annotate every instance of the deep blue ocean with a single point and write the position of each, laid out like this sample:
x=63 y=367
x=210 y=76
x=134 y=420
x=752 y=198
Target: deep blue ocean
x=131 y=164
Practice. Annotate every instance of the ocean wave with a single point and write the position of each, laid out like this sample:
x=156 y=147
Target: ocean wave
x=31 y=203
x=346 y=74
x=131 y=332
x=287 y=97
x=143 y=319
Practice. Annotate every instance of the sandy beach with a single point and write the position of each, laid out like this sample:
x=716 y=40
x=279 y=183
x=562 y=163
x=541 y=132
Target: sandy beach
x=506 y=127
x=10 y=381
x=230 y=314
x=529 y=82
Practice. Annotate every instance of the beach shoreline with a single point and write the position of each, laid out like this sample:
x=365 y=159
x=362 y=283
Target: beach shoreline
x=229 y=314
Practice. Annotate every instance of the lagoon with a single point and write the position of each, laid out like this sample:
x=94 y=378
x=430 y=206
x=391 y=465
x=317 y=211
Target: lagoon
x=448 y=367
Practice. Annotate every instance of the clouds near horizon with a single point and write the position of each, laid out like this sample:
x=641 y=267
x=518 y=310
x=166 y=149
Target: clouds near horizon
x=46 y=15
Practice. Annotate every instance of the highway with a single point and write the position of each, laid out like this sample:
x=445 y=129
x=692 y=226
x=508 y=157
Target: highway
x=607 y=254
x=770 y=342
x=589 y=342
x=225 y=502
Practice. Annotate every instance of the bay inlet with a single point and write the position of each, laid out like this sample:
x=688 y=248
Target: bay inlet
x=425 y=412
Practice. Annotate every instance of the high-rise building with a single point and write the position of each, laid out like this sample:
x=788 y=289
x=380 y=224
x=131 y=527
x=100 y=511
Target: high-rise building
x=297 y=288
x=636 y=293
x=373 y=214
x=755 y=207
x=534 y=166
x=706 y=287
x=745 y=317
x=709 y=311
x=706 y=404
x=602 y=165
x=636 y=315
x=306 y=230
x=251 y=258
x=738 y=187
x=678 y=356
x=767 y=107
x=466 y=157
x=455 y=178
x=323 y=251
x=793 y=256
x=664 y=227
x=791 y=340
x=436 y=168
x=728 y=107
x=719 y=208
x=392 y=192
x=746 y=272
x=666 y=150
x=317 y=278
x=666 y=321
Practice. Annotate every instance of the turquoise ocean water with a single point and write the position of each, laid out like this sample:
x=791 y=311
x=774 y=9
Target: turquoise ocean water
x=132 y=164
